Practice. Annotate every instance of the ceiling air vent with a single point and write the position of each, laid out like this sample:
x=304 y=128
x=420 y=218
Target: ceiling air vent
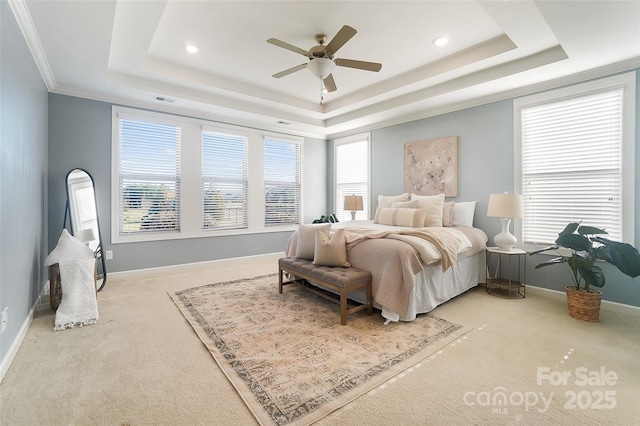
x=164 y=99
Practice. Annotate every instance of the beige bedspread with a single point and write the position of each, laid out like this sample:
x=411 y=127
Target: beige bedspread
x=393 y=263
x=444 y=241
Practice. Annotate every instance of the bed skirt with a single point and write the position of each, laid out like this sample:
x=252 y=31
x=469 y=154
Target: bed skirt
x=434 y=287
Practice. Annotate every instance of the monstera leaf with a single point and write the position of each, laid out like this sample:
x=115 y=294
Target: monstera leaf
x=587 y=246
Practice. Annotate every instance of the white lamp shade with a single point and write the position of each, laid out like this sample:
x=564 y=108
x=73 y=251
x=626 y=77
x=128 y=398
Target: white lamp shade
x=321 y=67
x=505 y=205
x=353 y=202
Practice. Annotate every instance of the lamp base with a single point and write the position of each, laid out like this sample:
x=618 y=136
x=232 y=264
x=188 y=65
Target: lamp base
x=505 y=240
x=353 y=215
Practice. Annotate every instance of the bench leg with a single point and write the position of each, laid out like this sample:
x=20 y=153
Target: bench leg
x=369 y=300
x=280 y=282
x=343 y=306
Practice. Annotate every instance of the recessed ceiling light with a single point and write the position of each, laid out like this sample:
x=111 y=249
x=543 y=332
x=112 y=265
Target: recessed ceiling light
x=191 y=48
x=441 y=41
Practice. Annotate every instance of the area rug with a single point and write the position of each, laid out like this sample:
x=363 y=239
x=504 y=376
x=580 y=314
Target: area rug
x=288 y=356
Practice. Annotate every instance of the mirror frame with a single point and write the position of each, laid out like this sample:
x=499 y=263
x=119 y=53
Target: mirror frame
x=101 y=264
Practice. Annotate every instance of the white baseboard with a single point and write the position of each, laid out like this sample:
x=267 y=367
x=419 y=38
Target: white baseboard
x=172 y=268
x=606 y=305
x=22 y=333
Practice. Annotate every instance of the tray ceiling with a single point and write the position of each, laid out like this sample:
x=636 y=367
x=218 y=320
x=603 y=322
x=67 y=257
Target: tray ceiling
x=133 y=52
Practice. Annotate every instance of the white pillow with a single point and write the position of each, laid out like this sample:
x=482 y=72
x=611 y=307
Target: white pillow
x=79 y=304
x=433 y=205
x=68 y=247
x=307 y=239
x=463 y=213
x=405 y=204
x=331 y=251
x=385 y=201
x=400 y=217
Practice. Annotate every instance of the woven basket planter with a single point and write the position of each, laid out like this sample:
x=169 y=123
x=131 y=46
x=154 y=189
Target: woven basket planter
x=582 y=305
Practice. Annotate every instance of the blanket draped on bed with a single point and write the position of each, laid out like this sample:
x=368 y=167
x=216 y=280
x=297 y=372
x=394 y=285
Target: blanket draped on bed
x=445 y=242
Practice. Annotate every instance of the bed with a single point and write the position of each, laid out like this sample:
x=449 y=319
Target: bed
x=411 y=274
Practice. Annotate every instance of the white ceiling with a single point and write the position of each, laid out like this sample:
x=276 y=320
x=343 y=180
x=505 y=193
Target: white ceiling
x=131 y=52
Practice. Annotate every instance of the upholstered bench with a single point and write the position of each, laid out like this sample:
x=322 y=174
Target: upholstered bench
x=342 y=280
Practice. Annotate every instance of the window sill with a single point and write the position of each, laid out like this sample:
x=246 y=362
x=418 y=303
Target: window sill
x=150 y=237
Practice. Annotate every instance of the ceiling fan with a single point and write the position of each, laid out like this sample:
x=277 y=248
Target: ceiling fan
x=321 y=62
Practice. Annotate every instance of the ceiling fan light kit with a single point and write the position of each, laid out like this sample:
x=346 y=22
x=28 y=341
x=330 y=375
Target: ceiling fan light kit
x=321 y=67
x=321 y=62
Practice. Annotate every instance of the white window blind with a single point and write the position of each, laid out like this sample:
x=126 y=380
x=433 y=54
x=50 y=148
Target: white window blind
x=224 y=180
x=352 y=176
x=572 y=165
x=281 y=182
x=149 y=177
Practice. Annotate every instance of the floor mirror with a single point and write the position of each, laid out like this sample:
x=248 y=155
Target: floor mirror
x=81 y=217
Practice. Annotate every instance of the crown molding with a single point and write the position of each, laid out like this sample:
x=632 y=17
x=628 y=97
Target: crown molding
x=22 y=16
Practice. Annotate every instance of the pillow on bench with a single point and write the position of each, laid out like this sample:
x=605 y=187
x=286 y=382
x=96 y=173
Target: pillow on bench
x=307 y=239
x=331 y=251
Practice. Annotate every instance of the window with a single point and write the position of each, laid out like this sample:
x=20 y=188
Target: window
x=575 y=159
x=281 y=182
x=352 y=174
x=149 y=177
x=177 y=177
x=224 y=180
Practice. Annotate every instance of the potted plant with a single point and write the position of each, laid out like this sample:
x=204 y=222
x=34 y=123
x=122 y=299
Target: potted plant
x=587 y=246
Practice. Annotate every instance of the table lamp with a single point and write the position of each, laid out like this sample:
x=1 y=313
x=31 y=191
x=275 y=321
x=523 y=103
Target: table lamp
x=353 y=203
x=505 y=206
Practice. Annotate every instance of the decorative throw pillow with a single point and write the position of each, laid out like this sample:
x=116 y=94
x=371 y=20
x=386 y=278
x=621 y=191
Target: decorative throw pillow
x=307 y=239
x=413 y=204
x=331 y=251
x=401 y=217
x=463 y=213
x=447 y=213
x=79 y=304
x=433 y=205
x=385 y=201
x=68 y=247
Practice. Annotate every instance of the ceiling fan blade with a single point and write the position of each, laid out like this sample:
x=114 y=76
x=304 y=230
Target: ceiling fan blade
x=343 y=36
x=288 y=46
x=290 y=70
x=361 y=65
x=329 y=84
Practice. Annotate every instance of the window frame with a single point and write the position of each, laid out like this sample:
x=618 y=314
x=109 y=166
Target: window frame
x=626 y=82
x=345 y=141
x=191 y=177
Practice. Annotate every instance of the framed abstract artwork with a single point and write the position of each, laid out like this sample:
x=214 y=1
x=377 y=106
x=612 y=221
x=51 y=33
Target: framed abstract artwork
x=431 y=167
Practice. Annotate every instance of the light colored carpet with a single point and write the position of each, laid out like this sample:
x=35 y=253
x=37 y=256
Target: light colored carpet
x=141 y=364
x=288 y=355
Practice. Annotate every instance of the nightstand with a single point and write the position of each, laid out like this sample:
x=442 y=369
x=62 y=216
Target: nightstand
x=510 y=272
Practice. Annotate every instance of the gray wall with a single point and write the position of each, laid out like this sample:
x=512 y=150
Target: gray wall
x=80 y=136
x=485 y=165
x=23 y=179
